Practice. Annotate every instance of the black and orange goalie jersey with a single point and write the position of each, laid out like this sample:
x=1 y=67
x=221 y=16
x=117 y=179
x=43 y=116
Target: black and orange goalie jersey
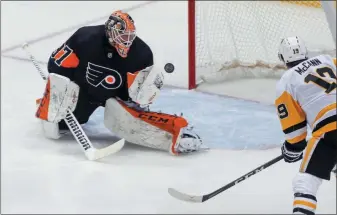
x=306 y=95
x=88 y=59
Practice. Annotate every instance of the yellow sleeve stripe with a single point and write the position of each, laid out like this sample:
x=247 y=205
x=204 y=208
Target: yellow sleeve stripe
x=295 y=113
x=298 y=138
x=334 y=61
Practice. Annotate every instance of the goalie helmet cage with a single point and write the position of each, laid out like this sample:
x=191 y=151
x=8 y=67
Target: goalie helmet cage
x=239 y=39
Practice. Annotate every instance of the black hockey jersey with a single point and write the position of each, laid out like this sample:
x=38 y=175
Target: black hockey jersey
x=90 y=61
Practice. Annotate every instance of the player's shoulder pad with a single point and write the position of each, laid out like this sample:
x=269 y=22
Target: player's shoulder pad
x=87 y=34
x=327 y=58
x=144 y=48
x=284 y=82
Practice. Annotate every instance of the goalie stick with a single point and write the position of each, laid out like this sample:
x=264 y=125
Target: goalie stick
x=199 y=199
x=90 y=151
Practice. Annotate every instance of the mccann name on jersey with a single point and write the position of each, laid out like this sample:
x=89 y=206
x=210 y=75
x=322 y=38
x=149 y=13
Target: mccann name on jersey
x=303 y=67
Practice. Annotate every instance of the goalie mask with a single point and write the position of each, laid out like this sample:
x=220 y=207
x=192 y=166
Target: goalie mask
x=121 y=32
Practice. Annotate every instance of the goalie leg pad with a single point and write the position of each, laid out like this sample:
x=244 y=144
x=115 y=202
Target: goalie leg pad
x=50 y=130
x=60 y=94
x=149 y=129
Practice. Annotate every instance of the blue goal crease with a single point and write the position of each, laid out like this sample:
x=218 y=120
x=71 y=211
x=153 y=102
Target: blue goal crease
x=222 y=123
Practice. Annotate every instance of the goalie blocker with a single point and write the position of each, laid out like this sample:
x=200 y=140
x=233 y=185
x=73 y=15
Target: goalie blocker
x=109 y=66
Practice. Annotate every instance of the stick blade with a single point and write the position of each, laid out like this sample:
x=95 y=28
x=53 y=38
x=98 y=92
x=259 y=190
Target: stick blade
x=103 y=152
x=184 y=197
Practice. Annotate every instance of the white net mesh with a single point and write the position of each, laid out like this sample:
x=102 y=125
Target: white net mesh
x=237 y=39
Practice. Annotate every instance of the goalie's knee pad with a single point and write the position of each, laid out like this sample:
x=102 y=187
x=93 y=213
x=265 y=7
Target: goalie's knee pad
x=151 y=129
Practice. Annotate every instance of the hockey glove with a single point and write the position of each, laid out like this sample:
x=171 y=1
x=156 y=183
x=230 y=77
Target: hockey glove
x=291 y=154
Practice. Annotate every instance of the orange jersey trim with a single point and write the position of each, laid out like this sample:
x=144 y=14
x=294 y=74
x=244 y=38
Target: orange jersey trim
x=66 y=58
x=131 y=78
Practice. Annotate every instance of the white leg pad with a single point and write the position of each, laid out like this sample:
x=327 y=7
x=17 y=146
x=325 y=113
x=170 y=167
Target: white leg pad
x=50 y=130
x=134 y=130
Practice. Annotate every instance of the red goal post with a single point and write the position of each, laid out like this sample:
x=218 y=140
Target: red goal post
x=239 y=39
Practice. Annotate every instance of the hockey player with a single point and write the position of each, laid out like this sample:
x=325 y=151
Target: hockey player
x=306 y=95
x=110 y=66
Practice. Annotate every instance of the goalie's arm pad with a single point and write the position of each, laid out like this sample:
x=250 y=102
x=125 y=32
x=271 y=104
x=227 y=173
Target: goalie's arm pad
x=64 y=60
x=60 y=94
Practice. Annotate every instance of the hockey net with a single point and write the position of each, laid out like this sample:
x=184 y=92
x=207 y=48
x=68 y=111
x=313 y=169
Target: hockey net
x=240 y=39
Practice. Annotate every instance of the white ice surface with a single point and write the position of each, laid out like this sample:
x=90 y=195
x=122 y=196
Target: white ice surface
x=45 y=176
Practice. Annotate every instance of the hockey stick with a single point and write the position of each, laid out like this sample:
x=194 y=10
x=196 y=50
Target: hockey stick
x=203 y=198
x=90 y=151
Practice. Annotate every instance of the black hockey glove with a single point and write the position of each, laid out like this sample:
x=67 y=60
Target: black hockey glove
x=292 y=154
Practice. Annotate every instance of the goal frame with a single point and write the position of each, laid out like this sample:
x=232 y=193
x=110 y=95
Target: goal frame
x=191 y=45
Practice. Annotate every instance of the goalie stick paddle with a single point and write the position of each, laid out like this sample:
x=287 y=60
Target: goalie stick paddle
x=199 y=199
x=90 y=151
